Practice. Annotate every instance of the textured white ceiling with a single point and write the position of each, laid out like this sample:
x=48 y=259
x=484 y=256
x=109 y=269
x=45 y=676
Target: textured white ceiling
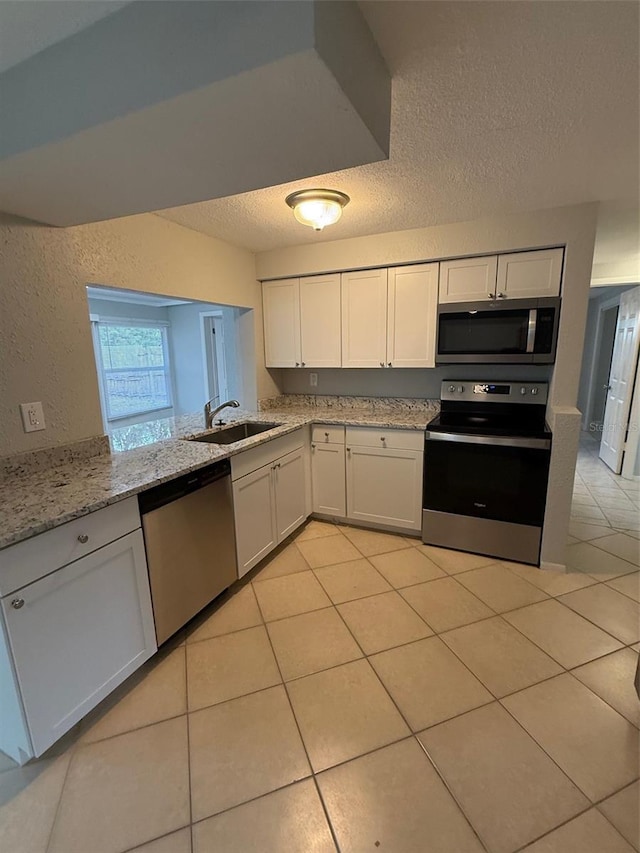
x=497 y=107
x=29 y=26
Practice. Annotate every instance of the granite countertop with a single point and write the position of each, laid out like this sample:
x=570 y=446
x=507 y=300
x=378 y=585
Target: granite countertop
x=36 y=498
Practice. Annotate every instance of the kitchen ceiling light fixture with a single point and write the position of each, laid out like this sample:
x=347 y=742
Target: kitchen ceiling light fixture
x=317 y=208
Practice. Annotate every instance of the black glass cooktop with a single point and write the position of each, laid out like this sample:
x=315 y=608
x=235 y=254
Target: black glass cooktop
x=528 y=424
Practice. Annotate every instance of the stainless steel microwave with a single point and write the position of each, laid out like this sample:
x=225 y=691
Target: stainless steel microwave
x=514 y=331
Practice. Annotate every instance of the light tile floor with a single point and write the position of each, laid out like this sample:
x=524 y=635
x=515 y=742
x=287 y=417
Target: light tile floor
x=361 y=691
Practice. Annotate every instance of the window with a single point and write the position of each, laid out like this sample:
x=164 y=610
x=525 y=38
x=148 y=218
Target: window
x=133 y=363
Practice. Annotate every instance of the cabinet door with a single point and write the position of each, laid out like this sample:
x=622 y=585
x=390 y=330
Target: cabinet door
x=254 y=510
x=525 y=274
x=412 y=304
x=385 y=486
x=80 y=632
x=364 y=318
x=281 y=310
x=328 y=479
x=290 y=485
x=320 y=329
x=468 y=279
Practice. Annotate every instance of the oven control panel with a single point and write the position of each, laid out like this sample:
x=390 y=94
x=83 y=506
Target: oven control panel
x=471 y=391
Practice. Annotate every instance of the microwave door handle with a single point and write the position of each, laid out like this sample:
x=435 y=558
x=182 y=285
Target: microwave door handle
x=531 y=331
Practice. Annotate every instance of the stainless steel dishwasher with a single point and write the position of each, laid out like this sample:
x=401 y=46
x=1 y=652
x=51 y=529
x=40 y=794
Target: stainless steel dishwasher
x=189 y=536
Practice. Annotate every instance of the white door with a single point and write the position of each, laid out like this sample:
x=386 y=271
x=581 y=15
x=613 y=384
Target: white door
x=623 y=369
x=328 y=479
x=254 y=510
x=79 y=633
x=526 y=274
x=320 y=310
x=281 y=309
x=385 y=486
x=468 y=279
x=289 y=488
x=364 y=318
x=412 y=304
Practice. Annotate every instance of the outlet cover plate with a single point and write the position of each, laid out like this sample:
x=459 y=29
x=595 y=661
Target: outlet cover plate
x=32 y=417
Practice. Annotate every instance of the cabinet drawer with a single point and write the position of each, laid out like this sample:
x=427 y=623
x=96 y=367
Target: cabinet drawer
x=34 y=558
x=329 y=434
x=251 y=460
x=398 y=439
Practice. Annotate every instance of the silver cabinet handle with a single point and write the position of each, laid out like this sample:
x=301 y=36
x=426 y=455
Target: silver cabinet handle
x=382 y=364
x=607 y=387
x=492 y=295
x=326 y=435
x=348 y=450
x=83 y=538
x=389 y=364
x=302 y=364
x=502 y=295
x=383 y=438
x=17 y=603
x=313 y=447
x=297 y=364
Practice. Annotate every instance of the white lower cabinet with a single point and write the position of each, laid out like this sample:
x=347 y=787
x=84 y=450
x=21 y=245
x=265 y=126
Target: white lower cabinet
x=385 y=486
x=289 y=493
x=268 y=503
x=375 y=479
x=254 y=510
x=328 y=478
x=76 y=634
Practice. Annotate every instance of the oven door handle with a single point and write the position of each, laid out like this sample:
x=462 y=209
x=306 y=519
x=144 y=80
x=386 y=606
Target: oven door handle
x=493 y=440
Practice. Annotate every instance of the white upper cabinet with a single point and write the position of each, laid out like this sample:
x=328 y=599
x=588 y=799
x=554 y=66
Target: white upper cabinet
x=281 y=309
x=364 y=318
x=468 y=279
x=528 y=274
x=412 y=302
x=321 y=342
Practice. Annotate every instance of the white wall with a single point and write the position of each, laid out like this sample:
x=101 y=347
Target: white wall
x=188 y=363
x=402 y=382
x=573 y=226
x=46 y=351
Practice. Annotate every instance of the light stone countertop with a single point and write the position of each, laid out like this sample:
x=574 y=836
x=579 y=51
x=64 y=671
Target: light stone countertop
x=37 y=498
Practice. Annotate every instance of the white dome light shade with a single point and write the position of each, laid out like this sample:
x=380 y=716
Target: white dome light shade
x=317 y=208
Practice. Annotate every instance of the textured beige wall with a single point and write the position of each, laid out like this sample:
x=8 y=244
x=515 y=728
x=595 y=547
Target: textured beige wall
x=45 y=343
x=573 y=226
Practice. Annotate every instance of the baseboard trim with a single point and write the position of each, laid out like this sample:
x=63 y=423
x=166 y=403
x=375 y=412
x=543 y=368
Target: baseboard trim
x=553 y=567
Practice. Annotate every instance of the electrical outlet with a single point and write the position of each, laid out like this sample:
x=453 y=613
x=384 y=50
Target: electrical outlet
x=313 y=380
x=32 y=417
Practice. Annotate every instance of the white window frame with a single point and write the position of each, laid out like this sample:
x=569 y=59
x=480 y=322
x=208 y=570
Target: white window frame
x=99 y=320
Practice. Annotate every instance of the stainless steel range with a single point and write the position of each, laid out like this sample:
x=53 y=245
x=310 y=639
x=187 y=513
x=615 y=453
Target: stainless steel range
x=486 y=468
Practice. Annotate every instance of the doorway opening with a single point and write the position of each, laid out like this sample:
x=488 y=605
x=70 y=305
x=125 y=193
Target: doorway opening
x=609 y=367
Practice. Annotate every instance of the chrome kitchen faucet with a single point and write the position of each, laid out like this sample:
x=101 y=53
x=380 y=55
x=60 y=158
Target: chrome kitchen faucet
x=210 y=414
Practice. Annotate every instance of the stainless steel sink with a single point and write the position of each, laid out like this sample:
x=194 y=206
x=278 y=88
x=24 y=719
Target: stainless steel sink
x=234 y=432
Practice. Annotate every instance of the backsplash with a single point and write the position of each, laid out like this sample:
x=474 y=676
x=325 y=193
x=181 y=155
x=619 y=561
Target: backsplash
x=369 y=404
x=421 y=383
x=50 y=457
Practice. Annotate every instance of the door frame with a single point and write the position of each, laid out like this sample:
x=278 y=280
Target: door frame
x=631 y=447
x=632 y=380
x=612 y=302
x=221 y=365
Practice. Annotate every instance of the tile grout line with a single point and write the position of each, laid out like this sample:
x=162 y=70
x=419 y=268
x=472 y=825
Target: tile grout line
x=188 y=724
x=551 y=758
x=59 y=803
x=592 y=805
x=302 y=741
x=452 y=794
